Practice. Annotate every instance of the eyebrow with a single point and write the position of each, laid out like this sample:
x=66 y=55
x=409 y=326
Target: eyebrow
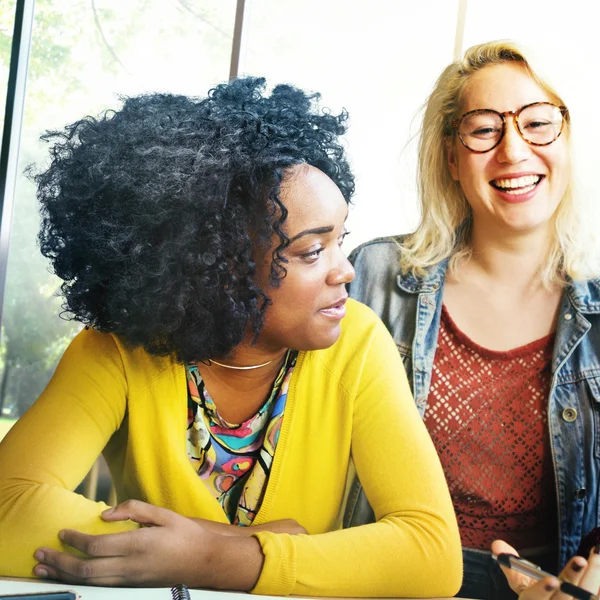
x=315 y=231
x=516 y=110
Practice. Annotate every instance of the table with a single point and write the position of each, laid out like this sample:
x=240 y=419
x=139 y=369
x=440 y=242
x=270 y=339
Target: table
x=9 y=585
x=22 y=586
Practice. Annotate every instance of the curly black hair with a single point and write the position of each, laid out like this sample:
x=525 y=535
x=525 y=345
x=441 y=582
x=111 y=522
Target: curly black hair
x=150 y=213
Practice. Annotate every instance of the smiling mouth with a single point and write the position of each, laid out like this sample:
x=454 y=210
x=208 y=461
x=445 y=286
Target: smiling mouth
x=517 y=185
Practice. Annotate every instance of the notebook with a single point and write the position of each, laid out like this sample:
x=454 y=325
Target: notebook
x=12 y=586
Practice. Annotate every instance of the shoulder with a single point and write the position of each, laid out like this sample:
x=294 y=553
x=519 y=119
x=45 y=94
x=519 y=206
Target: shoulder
x=359 y=324
x=362 y=333
x=585 y=295
x=388 y=248
x=377 y=266
x=95 y=350
x=90 y=343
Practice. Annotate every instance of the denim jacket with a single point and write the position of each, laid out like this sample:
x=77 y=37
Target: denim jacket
x=411 y=307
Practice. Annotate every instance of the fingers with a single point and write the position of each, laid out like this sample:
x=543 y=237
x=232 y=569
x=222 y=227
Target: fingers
x=517 y=581
x=74 y=569
x=572 y=573
x=590 y=577
x=290 y=526
x=501 y=547
x=578 y=572
x=113 y=544
x=139 y=512
x=104 y=560
x=541 y=590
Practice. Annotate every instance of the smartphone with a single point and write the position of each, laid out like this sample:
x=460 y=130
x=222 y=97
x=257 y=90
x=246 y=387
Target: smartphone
x=532 y=570
x=55 y=595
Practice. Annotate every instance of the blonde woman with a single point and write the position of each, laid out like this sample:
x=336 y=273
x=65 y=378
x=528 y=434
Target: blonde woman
x=495 y=311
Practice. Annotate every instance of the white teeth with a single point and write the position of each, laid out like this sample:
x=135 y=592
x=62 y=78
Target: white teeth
x=517 y=182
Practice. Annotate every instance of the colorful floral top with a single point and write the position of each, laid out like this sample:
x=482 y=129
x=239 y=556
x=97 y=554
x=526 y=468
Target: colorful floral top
x=235 y=460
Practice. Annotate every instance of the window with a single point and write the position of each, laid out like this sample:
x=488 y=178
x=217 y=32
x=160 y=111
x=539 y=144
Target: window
x=7 y=24
x=378 y=60
x=84 y=55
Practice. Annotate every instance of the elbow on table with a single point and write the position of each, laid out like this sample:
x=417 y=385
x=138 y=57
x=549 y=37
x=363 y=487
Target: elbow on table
x=438 y=562
x=451 y=565
x=447 y=563
x=13 y=559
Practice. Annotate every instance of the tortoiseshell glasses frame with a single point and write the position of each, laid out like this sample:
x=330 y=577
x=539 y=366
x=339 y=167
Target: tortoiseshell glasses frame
x=456 y=124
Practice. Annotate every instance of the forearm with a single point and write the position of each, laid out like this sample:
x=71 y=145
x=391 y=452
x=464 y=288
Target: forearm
x=235 y=563
x=398 y=556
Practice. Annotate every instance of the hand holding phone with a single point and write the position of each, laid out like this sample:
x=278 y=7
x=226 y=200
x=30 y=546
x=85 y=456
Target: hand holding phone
x=532 y=570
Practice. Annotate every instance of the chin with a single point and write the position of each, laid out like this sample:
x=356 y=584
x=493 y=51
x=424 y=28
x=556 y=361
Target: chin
x=320 y=341
x=529 y=225
x=525 y=221
x=531 y=217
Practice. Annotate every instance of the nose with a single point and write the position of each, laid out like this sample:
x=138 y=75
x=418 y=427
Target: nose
x=342 y=272
x=512 y=148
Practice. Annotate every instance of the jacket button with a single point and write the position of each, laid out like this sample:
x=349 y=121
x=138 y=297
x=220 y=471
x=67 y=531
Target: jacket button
x=568 y=317
x=569 y=414
x=580 y=494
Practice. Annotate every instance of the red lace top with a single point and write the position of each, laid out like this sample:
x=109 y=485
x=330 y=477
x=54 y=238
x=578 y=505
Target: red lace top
x=487 y=415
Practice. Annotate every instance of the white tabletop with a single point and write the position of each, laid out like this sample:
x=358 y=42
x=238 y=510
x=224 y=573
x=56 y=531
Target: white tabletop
x=13 y=586
x=10 y=585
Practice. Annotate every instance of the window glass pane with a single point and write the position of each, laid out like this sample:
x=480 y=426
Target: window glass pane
x=562 y=45
x=379 y=60
x=84 y=55
x=7 y=23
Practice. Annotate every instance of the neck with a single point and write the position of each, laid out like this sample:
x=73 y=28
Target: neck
x=238 y=394
x=514 y=259
x=244 y=356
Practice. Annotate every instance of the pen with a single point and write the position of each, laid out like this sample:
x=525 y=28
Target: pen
x=60 y=595
x=532 y=570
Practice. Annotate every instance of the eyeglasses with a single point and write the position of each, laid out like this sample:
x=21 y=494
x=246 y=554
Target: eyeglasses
x=539 y=124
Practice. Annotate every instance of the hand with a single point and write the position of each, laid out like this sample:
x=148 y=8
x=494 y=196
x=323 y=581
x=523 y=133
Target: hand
x=290 y=526
x=170 y=549
x=578 y=571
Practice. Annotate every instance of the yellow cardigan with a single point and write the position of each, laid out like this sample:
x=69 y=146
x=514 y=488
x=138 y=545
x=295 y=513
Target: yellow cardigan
x=349 y=406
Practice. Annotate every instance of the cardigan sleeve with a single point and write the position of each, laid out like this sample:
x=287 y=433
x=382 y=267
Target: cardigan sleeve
x=413 y=548
x=48 y=452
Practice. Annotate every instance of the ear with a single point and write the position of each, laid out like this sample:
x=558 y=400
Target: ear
x=452 y=158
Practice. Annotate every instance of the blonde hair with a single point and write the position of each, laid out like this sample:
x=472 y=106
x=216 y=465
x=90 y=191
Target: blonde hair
x=446 y=219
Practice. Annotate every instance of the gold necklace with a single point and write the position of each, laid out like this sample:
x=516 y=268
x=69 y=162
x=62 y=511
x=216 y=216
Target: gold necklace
x=242 y=368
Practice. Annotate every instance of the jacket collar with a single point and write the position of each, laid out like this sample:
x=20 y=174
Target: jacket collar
x=585 y=295
x=429 y=283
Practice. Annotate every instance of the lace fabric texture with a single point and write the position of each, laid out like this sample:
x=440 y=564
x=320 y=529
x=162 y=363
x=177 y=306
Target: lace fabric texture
x=487 y=416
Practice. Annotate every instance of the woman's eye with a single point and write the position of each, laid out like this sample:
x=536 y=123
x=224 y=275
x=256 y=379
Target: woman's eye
x=485 y=132
x=312 y=256
x=537 y=124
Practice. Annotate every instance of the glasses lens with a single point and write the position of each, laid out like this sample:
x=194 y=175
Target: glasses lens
x=540 y=123
x=481 y=130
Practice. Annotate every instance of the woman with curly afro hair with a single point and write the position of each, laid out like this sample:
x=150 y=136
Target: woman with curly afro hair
x=232 y=388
